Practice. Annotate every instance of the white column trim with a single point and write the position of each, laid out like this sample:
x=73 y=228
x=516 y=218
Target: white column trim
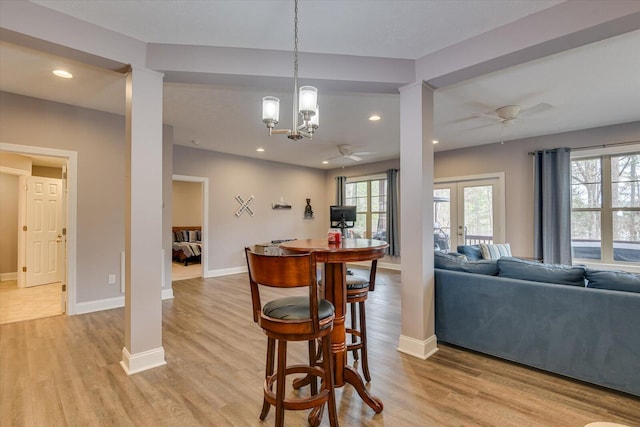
x=134 y=363
x=418 y=348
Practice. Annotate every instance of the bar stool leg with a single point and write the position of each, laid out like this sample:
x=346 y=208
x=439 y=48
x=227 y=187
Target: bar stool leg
x=271 y=347
x=328 y=381
x=280 y=382
x=363 y=340
x=312 y=361
x=354 y=326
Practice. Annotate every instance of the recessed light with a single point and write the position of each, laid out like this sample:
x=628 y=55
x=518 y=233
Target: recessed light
x=435 y=141
x=325 y=162
x=374 y=118
x=260 y=149
x=63 y=73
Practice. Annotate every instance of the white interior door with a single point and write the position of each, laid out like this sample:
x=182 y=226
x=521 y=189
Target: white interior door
x=474 y=212
x=62 y=263
x=44 y=225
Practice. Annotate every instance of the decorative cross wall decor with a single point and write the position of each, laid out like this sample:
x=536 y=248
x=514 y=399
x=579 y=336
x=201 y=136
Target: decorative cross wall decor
x=244 y=205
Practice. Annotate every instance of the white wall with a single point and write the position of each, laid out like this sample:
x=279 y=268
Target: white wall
x=267 y=181
x=513 y=159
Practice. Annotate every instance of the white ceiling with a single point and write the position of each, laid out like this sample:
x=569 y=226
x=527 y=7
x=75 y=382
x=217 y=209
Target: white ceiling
x=382 y=28
x=590 y=86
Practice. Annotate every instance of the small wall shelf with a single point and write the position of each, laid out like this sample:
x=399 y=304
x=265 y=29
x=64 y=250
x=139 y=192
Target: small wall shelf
x=280 y=206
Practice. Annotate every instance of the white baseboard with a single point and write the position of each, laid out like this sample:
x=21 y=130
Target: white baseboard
x=109 y=303
x=134 y=363
x=390 y=266
x=8 y=276
x=226 y=271
x=167 y=293
x=418 y=348
x=99 y=305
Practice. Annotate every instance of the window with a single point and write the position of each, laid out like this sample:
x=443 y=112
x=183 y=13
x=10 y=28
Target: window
x=605 y=205
x=369 y=195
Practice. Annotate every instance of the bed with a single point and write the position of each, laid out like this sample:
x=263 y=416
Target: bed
x=187 y=244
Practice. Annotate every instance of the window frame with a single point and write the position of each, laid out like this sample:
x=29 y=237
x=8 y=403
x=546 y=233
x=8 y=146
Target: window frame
x=369 y=213
x=606 y=209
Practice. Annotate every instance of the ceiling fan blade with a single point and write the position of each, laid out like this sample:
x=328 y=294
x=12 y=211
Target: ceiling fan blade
x=481 y=126
x=488 y=116
x=353 y=157
x=362 y=153
x=538 y=108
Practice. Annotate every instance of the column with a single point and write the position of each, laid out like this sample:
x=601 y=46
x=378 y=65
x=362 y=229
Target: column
x=143 y=222
x=416 y=218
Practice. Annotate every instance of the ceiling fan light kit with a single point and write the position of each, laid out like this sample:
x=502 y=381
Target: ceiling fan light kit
x=305 y=102
x=508 y=114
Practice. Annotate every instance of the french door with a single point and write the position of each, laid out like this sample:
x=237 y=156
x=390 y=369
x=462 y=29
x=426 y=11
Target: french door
x=468 y=211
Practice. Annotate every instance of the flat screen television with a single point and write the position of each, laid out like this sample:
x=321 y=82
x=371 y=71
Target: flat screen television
x=342 y=216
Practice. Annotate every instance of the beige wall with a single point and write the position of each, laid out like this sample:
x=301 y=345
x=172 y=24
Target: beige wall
x=99 y=140
x=513 y=159
x=267 y=181
x=187 y=203
x=8 y=223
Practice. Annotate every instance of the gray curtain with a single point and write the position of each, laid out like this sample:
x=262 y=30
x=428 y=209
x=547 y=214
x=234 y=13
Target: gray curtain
x=552 y=204
x=393 y=237
x=341 y=182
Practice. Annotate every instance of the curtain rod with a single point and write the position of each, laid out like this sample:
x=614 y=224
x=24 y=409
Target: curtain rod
x=615 y=144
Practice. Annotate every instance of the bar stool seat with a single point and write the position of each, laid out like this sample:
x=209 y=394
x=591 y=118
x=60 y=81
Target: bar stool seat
x=293 y=318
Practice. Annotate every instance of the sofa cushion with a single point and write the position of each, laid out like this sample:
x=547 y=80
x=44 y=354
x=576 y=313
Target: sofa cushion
x=455 y=263
x=495 y=251
x=613 y=280
x=516 y=268
x=472 y=252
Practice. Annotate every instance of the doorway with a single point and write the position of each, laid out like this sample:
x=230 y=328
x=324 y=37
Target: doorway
x=190 y=214
x=469 y=210
x=49 y=288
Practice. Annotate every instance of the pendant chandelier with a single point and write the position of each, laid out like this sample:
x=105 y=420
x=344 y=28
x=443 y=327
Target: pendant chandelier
x=305 y=102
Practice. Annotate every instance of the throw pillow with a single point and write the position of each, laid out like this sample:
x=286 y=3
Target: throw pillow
x=613 y=280
x=193 y=236
x=472 y=252
x=516 y=268
x=495 y=251
x=456 y=263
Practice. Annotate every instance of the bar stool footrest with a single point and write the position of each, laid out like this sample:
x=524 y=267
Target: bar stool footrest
x=292 y=403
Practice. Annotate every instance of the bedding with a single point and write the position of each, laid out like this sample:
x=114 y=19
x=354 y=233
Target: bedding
x=187 y=244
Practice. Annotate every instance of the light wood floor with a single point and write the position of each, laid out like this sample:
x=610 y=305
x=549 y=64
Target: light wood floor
x=35 y=302
x=179 y=271
x=65 y=370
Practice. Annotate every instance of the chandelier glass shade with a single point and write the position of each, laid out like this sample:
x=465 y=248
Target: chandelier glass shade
x=306 y=113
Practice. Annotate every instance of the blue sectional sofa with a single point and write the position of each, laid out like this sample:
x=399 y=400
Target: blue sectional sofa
x=545 y=316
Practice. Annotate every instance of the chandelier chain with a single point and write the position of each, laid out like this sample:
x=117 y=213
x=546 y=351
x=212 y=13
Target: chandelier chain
x=295 y=40
x=306 y=111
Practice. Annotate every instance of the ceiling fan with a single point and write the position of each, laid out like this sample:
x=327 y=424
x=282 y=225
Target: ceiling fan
x=346 y=151
x=508 y=114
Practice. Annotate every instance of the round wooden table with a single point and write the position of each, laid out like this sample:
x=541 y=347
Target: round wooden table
x=334 y=256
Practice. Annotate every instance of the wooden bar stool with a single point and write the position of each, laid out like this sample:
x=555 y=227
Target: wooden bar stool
x=358 y=289
x=293 y=318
